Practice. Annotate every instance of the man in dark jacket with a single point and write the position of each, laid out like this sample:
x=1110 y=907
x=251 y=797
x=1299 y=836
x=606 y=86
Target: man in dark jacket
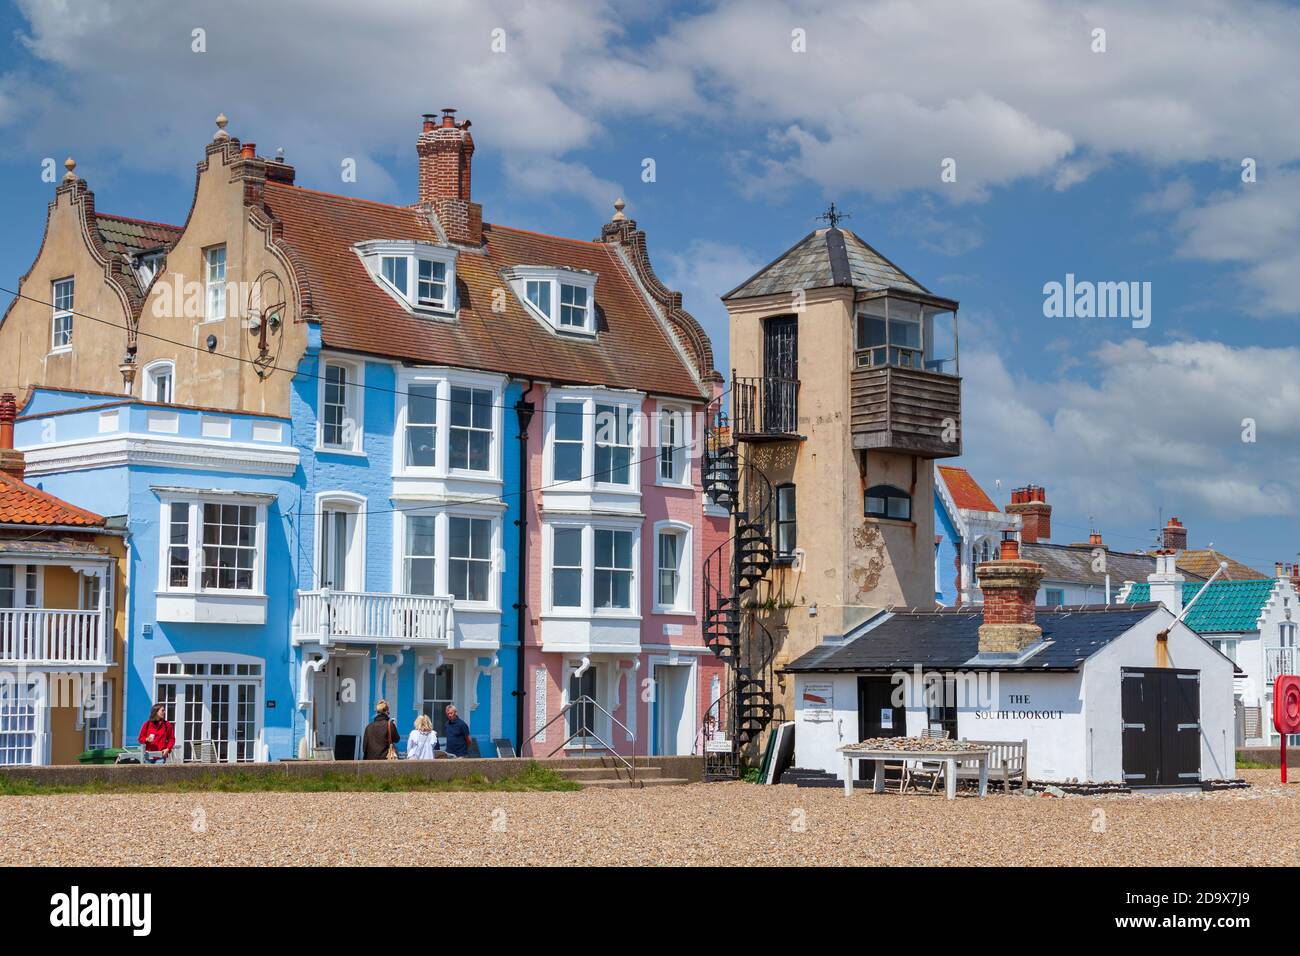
x=457 y=733
x=379 y=735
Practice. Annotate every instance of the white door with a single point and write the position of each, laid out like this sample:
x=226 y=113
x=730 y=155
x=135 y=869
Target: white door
x=342 y=696
x=674 y=728
x=338 y=563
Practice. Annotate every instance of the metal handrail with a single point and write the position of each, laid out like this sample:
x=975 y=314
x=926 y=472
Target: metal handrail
x=586 y=732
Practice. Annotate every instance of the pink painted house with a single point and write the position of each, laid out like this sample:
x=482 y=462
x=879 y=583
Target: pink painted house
x=618 y=528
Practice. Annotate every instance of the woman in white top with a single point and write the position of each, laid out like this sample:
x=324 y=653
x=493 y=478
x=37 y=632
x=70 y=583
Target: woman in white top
x=423 y=741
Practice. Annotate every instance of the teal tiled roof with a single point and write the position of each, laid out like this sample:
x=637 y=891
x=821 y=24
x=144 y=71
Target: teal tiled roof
x=1229 y=606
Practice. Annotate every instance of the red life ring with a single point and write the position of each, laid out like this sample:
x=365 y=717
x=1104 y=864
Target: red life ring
x=1286 y=704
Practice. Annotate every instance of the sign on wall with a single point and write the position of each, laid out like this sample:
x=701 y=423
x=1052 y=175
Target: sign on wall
x=818 y=702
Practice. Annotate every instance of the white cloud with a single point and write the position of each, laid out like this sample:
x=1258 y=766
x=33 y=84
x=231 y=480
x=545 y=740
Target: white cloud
x=1255 y=227
x=1160 y=426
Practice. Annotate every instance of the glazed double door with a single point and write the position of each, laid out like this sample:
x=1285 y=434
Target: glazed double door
x=222 y=712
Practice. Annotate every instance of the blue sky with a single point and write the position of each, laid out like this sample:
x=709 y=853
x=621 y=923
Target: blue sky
x=1122 y=165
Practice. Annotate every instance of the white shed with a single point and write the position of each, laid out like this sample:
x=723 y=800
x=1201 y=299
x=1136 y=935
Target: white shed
x=1100 y=693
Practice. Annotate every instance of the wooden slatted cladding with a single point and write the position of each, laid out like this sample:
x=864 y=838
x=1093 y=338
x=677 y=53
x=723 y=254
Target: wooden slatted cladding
x=906 y=410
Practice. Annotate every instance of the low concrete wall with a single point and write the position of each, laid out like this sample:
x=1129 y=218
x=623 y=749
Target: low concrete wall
x=688 y=768
x=1271 y=756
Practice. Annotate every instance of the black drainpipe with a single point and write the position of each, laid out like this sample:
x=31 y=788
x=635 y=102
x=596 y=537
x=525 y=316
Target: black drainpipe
x=524 y=409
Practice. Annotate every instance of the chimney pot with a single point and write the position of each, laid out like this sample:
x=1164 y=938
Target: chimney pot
x=1030 y=503
x=12 y=462
x=1010 y=550
x=1174 y=535
x=248 y=151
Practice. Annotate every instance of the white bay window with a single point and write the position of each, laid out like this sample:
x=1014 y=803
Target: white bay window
x=592 y=438
x=213 y=560
x=449 y=425
x=452 y=554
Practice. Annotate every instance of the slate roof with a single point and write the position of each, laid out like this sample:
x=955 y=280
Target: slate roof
x=1203 y=562
x=826 y=258
x=20 y=503
x=965 y=490
x=1072 y=564
x=1227 y=607
x=949 y=639
x=632 y=348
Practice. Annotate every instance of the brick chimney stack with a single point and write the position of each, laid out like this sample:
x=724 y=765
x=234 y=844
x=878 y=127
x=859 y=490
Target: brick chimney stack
x=1175 y=536
x=1030 y=502
x=1010 y=588
x=446 y=151
x=12 y=463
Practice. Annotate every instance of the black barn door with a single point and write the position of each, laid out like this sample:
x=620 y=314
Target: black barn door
x=1161 y=714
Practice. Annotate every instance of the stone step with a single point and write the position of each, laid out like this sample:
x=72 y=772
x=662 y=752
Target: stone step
x=637 y=784
x=590 y=773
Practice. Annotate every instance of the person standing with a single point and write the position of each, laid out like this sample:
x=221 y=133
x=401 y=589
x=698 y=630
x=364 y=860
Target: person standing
x=379 y=741
x=157 y=735
x=423 y=742
x=457 y=734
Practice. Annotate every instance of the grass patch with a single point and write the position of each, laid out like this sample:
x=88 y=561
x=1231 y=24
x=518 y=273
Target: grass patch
x=1255 y=765
x=532 y=778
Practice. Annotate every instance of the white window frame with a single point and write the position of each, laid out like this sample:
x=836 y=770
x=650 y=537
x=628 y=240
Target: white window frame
x=152 y=372
x=442 y=516
x=354 y=506
x=684 y=533
x=353 y=406
x=666 y=414
x=214 y=286
x=89 y=722
x=444 y=381
x=555 y=279
x=29 y=585
x=373 y=254
x=61 y=340
x=590 y=398
x=587 y=609
x=195 y=545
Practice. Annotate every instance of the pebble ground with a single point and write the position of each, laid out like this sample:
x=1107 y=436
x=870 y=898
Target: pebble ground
x=701 y=824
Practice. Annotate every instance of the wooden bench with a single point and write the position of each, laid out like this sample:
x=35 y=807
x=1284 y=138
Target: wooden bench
x=1007 y=760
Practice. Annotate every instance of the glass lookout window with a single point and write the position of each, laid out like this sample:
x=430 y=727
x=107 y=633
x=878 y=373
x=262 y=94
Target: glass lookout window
x=905 y=334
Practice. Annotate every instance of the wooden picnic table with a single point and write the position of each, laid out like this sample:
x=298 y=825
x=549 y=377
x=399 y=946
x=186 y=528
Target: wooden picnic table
x=949 y=757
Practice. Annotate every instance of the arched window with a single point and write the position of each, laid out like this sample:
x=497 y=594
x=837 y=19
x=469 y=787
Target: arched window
x=886 y=501
x=160 y=382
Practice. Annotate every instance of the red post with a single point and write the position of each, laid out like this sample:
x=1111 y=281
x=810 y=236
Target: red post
x=1284 y=758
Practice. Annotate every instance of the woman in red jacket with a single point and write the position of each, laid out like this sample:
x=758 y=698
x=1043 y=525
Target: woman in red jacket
x=157 y=735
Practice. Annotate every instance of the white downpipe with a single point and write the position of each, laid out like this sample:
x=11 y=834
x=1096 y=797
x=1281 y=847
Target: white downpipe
x=1107 y=588
x=583 y=667
x=304 y=684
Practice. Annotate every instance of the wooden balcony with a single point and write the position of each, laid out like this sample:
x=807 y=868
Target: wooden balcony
x=356 y=617
x=52 y=637
x=906 y=410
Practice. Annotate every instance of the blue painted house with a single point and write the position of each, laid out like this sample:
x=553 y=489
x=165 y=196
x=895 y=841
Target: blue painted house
x=210 y=499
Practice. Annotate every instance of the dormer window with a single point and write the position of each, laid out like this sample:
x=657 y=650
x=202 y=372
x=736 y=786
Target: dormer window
x=420 y=275
x=561 y=297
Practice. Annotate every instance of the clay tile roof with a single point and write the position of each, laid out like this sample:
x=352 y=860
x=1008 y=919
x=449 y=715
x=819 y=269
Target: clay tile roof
x=122 y=234
x=20 y=503
x=965 y=490
x=1205 y=561
x=632 y=348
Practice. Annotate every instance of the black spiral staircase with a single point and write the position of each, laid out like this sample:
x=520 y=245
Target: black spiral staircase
x=733 y=574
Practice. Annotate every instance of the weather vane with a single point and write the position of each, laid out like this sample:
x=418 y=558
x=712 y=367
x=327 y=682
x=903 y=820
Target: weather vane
x=833 y=215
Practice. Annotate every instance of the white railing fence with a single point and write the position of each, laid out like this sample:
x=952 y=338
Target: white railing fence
x=1281 y=660
x=334 y=615
x=50 y=635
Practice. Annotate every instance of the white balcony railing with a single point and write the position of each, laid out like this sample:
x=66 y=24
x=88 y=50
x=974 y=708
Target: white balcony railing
x=360 y=617
x=52 y=636
x=1281 y=660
